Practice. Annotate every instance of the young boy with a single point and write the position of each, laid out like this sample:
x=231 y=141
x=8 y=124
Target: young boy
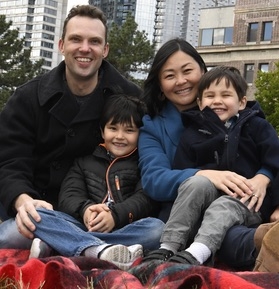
x=225 y=135
x=104 y=209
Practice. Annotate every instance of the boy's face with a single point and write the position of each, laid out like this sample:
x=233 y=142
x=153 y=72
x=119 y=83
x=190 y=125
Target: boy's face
x=222 y=100
x=120 y=139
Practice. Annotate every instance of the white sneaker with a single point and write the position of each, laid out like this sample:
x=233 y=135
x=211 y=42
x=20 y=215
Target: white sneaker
x=122 y=256
x=136 y=251
x=40 y=249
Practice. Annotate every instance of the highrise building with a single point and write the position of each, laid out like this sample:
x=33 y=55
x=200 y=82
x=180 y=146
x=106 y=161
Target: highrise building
x=116 y=10
x=181 y=18
x=40 y=23
x=161 y=19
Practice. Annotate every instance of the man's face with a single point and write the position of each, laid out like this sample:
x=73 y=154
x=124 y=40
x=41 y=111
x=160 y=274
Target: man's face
x=83 y=47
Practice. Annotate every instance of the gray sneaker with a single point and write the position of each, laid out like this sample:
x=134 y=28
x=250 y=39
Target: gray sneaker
x=40 y=249
x=122 y=256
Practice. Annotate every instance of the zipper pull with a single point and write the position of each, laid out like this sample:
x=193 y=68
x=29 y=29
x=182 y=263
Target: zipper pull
x=216 y=157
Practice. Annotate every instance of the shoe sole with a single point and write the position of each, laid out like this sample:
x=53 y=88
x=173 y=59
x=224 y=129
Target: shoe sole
x=121 y=256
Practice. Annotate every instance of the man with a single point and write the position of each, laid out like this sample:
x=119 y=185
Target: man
x=53 y=119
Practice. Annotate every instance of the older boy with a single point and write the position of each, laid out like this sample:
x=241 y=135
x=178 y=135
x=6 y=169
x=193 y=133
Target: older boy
x=105 y=211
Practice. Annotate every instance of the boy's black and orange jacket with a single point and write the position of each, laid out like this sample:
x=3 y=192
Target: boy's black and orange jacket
x=93 y=177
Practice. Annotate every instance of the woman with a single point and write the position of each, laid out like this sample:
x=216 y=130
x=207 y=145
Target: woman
x=170 y=88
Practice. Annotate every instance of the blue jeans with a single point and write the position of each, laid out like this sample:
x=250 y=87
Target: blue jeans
x=69 y=237
x=238 y=248
x=3 y=214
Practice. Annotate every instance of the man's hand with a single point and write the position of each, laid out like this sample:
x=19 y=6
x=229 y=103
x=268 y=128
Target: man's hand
x=275 y=215
x=26 y=207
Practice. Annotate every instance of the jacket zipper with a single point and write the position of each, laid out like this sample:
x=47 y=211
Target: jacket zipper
x=109 y=195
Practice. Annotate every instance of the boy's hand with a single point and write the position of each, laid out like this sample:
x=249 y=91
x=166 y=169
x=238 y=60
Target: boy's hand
x=103 y=223
x=98 y=218
x=88 y=216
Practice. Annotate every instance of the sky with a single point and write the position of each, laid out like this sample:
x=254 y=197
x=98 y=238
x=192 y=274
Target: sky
x=72 y=3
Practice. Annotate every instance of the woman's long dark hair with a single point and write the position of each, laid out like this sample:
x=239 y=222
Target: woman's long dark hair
x=152 y=91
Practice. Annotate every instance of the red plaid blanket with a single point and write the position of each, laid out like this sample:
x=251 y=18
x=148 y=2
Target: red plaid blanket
x=81 y=272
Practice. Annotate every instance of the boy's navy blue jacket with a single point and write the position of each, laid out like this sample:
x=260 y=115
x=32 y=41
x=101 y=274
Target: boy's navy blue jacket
x=251 y=143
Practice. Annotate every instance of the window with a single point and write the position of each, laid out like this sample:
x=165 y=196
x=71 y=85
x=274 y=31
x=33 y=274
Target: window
x=28 y=35
x=30 y=10
x=228 y=35
x=47 y=63
x=249 y=73
x=50 y=11
x=30 y=18
x=267 y=31
x=49 y=19
x=46 y=54
x=51 y=3
x=206 y=37
x=48 y=36
x=27 y=43
x=263 y=67
x=46 y=44
x=48 y=28
x=252 y=32
x=216 y=36
x=29 y=27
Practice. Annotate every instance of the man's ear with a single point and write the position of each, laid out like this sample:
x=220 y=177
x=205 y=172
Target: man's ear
x=61 y=45
x=106 y=50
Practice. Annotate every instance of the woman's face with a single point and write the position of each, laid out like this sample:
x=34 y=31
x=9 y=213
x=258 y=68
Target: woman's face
x=179 y=78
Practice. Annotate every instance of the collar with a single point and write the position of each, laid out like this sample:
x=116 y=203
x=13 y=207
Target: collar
x=53 y=82
x=230 y=122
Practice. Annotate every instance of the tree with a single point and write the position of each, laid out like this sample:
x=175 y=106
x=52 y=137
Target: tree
x=130 y=49
x=267 y=94
x=15 y=64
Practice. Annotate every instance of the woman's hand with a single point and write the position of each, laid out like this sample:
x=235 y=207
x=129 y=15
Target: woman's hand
x=229 y=182
x=259 y=185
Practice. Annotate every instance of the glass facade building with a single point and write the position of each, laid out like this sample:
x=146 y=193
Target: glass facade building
x=40 y=23
x=161 y=19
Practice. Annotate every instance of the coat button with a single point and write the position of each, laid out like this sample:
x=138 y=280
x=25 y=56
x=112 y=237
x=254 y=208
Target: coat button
x=56 y=165
x=71 y=132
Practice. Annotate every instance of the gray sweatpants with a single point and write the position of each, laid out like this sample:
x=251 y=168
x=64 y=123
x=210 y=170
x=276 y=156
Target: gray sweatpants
x=200 y=205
